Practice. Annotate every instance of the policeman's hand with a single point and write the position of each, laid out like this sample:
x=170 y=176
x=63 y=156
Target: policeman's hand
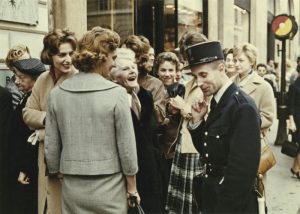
x=23 y=178
x=199 y=109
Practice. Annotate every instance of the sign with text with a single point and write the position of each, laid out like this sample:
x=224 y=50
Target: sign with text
x=20 y=11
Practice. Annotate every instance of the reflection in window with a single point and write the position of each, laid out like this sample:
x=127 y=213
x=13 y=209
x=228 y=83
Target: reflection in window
x=241 y=26
x=189 y=16
x=113 y=14
x=189 y=19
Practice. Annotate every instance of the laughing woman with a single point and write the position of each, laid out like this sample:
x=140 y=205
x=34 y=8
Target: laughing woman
x=143 y=116
x=59 y=46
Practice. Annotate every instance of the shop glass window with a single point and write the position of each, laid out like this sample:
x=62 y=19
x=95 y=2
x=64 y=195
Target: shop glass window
x=241 y=26
x=113 y=14
x=189 y=18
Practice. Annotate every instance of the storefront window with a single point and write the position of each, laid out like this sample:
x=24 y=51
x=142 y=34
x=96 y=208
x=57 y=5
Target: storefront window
x=241 y=26
x=189 y=18
x=113 y=14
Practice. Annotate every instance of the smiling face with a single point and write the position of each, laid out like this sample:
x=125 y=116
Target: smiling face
x=62 y=61
x=261 y=70
x=229 y=64
x=210 y=77
x=166 y=72
x=24 y=82
x=125 y=73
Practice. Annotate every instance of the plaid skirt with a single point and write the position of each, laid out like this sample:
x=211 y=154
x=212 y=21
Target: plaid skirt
x=180 y=192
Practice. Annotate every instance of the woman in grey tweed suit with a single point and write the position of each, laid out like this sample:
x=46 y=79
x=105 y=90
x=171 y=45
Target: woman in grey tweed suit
x=89 y=132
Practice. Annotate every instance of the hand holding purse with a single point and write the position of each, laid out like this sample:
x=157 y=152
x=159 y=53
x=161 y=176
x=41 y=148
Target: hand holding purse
x=290 y=147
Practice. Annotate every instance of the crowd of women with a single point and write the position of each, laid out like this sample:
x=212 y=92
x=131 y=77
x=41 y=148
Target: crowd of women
x=105 y=127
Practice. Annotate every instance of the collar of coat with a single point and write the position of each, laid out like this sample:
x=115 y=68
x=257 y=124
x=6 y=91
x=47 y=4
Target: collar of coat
x=252 y=83
x=81 y=82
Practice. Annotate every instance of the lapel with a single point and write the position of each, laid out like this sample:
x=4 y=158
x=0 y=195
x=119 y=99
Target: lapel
x=252 y=84
x=217 y=112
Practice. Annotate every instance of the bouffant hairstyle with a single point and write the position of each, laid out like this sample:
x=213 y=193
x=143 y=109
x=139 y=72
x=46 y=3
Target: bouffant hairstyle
x=17 y=52
x=227 y=51
x=140 y=46
x=188 y=39
x=163 y=57
x=94 y=47
x=52 y=42
x=250 y=52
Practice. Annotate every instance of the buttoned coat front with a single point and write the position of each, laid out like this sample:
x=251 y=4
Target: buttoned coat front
x=229 y=144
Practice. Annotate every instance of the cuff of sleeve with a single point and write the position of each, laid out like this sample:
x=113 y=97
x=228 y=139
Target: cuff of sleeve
x=43 y=117
x=193 y=126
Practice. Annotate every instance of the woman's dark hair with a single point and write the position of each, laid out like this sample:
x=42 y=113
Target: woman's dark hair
x=94 y=47
x=188 y=39
x=163 y=57
x=140 y=46
x=52 y=42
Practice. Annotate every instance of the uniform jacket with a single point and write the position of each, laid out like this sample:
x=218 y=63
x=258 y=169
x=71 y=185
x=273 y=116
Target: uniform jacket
x=89 y=128
x=229 y=142
x=262 y=94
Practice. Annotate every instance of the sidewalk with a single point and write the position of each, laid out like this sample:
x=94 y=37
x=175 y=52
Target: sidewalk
x=283 y=191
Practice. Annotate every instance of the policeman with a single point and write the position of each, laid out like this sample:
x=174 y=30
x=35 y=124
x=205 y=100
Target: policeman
x=228 y=140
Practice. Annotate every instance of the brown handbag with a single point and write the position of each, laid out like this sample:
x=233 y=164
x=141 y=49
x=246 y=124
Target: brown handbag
x=267 y=159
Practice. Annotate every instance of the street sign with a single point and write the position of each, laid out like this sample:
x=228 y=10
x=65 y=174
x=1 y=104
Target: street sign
x=284 y=26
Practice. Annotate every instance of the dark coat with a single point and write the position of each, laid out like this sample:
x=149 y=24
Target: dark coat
x=148 y=176
x=24 y=158
x=6 y=109
x=229 y=144
x=294 y=106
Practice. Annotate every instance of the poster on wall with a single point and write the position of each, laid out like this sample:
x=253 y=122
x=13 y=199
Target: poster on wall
x=20 y=11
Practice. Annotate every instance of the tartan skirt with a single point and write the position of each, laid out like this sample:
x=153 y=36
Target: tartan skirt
x=180 y=191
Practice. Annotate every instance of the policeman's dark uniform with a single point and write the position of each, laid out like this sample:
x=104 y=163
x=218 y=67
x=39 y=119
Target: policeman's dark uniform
x=229 y=144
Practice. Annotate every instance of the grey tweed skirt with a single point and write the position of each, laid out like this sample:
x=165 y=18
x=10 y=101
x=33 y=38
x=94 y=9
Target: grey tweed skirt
x=98 y=194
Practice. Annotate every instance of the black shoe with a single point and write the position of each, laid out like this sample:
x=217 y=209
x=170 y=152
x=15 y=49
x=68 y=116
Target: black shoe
x=295 y=174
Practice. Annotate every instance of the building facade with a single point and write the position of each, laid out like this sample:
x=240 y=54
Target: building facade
x=233 y=22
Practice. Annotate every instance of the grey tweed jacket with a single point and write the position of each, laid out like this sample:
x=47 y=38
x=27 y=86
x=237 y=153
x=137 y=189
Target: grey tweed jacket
x=89 y=128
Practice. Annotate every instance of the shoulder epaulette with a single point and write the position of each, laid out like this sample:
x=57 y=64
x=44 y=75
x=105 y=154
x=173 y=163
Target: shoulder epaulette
x=239 y=97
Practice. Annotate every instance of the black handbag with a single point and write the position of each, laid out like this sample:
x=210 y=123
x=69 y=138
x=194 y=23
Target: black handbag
x=290 y=148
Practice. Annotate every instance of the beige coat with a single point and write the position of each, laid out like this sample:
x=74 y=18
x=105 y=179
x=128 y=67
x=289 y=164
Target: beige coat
x=33 y=115
x=192 y=93
x=262 y=94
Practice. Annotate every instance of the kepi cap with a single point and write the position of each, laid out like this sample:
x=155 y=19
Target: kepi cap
x=202 y=53
x=31 y=66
